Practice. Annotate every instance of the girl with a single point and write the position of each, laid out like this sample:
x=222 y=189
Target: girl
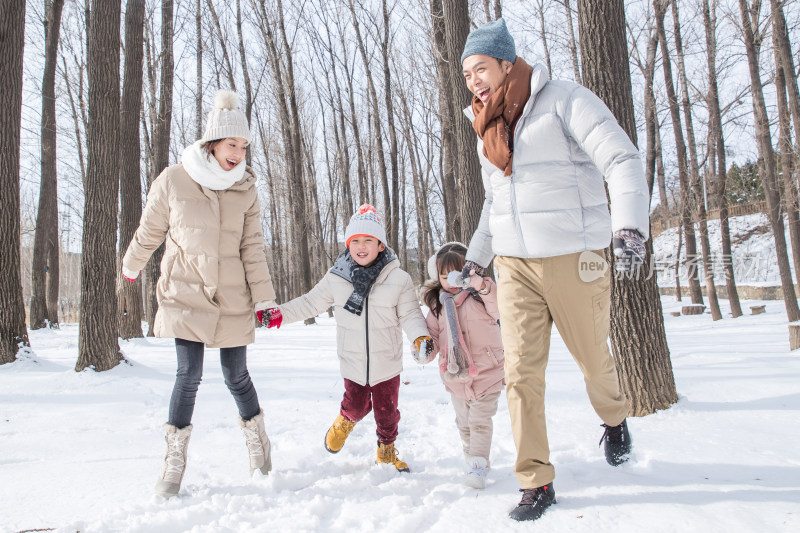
x=466 y=335
x=214 y=276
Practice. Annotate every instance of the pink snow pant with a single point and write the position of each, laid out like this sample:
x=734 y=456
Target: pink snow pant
x=359 y=400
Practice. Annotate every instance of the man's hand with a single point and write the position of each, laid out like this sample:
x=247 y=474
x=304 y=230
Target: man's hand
x=471 y=268
x=271 y=317
x=629 y=250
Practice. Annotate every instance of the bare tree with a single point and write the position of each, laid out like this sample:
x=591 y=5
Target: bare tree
x=638 y=338
x=687 y=202
x=44 y=270
x=198 y=97
x=543 y=26
x=13 y=333
x=129 y=295
x=752 y=42
x=97 y=335
x=446 y=120
x=716 y=154
x=162 y=124
x=705 y=247
x=573 y=45
x=469 y=183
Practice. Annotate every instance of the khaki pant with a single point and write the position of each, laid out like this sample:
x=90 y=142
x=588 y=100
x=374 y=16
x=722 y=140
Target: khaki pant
x=532 y=294
x=474 y=421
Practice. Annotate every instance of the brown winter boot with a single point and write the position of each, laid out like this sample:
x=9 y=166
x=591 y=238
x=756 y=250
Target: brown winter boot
x=174 y=462
x=387 y=454
x=257 y=443
x=337 y=433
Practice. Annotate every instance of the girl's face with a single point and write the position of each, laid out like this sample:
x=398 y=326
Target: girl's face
x=446 y=286
x=365 y=248
x=230 y=152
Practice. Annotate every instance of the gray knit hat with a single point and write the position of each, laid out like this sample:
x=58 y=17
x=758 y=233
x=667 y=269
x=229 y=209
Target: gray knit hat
x=492 y=39
x=226 y=119
x=365 y=221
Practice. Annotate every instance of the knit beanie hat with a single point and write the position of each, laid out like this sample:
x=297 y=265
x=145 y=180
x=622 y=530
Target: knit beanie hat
x=226 y=119
x=433 y=272
x=365 y=222
x=492 y=39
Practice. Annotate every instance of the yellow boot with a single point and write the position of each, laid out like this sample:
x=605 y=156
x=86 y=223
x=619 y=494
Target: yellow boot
x=387 y=454
x=337 y=433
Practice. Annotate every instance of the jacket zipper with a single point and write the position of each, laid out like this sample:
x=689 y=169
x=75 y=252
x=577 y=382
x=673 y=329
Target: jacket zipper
x=366 y=330
x=513 y=196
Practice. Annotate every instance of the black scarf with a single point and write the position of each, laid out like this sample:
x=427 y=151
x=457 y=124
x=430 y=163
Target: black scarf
x=362 y=277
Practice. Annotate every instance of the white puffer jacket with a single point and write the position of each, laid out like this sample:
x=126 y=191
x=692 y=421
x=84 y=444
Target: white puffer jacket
x=370 y=345
x=554 y=202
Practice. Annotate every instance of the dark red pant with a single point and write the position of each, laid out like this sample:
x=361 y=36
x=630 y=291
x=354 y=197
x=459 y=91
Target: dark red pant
x=359 y=400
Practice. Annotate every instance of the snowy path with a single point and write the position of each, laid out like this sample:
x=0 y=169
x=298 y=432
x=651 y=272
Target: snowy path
x=81 y=451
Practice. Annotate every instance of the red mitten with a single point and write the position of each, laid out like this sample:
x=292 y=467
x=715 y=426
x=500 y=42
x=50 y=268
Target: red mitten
x=271 y=317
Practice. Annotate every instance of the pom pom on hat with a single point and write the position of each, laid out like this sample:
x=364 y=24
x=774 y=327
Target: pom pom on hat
x=226 y=100
x=365 y=221
x=226 y=119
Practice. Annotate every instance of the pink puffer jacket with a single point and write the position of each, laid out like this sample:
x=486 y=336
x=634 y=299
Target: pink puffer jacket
x=481 y=333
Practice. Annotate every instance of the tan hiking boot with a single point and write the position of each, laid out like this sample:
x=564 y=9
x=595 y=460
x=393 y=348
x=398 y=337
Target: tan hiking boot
x=258 y=445
x=337 y=433
x=174 y=462
x=387 y=454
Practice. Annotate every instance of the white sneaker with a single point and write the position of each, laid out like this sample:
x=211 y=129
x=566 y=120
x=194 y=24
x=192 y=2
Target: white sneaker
x=476 y=477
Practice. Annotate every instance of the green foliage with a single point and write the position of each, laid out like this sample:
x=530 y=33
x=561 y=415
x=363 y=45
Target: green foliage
x=744 y=184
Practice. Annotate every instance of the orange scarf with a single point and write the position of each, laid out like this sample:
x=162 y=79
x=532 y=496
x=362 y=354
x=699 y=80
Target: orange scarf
x=493 y=120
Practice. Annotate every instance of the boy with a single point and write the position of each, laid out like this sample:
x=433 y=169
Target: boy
x=374 y=298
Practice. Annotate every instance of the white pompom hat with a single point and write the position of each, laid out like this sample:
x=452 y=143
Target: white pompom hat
x=226 y=119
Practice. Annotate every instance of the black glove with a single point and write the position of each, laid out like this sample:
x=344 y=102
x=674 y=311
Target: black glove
x=629 y=250
x=469 y=266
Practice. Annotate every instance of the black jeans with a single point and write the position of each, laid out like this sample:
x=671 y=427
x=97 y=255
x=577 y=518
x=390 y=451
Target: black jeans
x=190 y=373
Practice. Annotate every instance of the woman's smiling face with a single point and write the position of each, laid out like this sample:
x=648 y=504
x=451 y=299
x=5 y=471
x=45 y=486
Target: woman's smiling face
x=230 y=152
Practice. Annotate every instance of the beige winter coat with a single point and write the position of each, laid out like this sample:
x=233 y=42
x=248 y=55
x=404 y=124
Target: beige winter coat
x=370 y=346
x=214 y=266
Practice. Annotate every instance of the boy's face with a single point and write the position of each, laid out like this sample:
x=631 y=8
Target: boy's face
x=364 y=249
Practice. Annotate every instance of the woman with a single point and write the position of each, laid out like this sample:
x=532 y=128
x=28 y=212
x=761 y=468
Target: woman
x=214 y=276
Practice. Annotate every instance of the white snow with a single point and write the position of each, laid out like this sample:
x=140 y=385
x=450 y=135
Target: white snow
x=81 y=451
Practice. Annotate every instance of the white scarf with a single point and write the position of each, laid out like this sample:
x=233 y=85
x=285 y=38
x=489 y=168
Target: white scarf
x=205 y=170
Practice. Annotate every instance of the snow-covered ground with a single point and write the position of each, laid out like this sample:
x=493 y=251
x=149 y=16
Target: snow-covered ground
x=80 y=451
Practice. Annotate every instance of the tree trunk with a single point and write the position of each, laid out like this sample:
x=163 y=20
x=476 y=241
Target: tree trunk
x=468 y=171
x=248 y=88
x=638 y=338
x=97 y=335
x=446 y=120
x=394 y=221
x=377 y=131
x=717 y=154
x=705 y=247
x=765 y=154
x=680 y=148
x=129 y=295
x=573 y=45
x=13 y=333
x=44 y=267
x=787 y=64
x=161 y=136
x=545 y=47
x=790 y=200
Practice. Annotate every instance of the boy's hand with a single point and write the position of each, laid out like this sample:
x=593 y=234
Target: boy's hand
x=422 y=345
x=271 y=317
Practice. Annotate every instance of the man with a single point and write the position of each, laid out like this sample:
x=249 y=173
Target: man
x=544 y=147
